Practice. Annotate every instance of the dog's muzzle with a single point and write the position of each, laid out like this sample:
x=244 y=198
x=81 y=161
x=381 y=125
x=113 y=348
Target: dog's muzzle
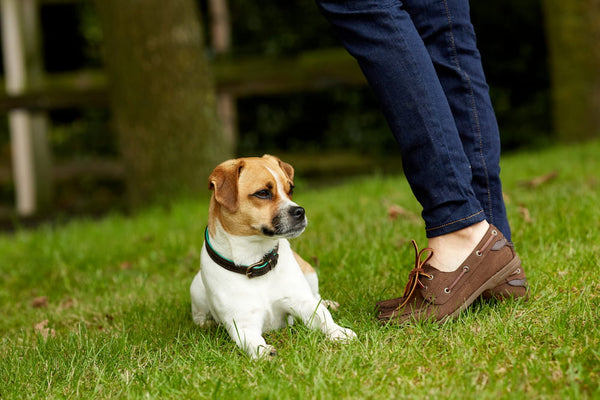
x=288 y=223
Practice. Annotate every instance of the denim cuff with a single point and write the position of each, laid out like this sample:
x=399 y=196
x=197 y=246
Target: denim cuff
x=454 y=226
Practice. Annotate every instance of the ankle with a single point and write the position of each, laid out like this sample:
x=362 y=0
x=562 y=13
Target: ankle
x=451 y=249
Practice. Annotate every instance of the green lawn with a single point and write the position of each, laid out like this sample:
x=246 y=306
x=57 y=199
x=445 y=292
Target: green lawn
x=100 y=309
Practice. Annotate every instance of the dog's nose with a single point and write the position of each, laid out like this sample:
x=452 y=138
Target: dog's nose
x=297 y=213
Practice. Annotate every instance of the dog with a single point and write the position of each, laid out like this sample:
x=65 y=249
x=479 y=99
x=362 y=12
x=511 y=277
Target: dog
x=250 y=280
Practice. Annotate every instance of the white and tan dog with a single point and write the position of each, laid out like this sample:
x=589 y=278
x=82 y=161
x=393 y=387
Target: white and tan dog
x=250 y=280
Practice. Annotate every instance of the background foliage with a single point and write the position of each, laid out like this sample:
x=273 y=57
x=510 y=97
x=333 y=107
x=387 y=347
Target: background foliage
x=341 y=119
x=514 y=57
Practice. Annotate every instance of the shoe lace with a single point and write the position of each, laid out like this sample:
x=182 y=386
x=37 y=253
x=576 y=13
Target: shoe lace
x=417 y=272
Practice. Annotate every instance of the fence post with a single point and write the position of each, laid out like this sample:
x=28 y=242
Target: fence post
x=23 y=69
x=220 y=27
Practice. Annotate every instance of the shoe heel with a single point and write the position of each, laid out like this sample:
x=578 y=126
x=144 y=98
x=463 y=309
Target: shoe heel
x=505 y=272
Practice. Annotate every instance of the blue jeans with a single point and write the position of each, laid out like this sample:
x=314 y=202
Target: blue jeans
x=421 y=60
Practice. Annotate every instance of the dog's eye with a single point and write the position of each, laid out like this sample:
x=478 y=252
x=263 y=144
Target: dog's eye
x=291 y=191
x=263 y=194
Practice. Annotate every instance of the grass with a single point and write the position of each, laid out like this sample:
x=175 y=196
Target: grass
x=100 y=309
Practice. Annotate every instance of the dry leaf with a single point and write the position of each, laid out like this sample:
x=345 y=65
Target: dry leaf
x=540 y=180
x=43 y=330
x=40 y=302
x=67 y=303
x=395 y=211
x=126 y=265
x=525 y=214
x=402 y=242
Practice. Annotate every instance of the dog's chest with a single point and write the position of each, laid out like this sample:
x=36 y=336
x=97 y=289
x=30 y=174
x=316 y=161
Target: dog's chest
x=269 y=298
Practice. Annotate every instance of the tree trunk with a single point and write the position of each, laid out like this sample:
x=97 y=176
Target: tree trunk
x=573 y=32
x=162 y=97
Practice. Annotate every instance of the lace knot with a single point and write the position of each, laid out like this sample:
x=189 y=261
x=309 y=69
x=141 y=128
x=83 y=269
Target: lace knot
x=414 y=277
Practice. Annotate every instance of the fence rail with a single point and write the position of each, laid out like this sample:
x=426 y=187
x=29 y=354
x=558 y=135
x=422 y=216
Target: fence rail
x=308 y=71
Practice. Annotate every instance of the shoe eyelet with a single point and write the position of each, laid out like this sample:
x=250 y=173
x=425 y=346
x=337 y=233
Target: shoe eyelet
x=430 y=277
x=446 y=290
x=425 y=287
x=494 y=232
x=479 y=253
x=518 y=271
x=466 y=268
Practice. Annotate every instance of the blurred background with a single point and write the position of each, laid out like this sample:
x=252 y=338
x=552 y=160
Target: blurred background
x=115 y=104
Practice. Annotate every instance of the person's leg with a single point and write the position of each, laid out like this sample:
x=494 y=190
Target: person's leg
x=449 y=36
x=446 y=29
x=382 y=37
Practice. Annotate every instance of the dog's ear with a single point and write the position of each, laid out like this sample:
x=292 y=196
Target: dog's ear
x=288 y=169
x=224 y=182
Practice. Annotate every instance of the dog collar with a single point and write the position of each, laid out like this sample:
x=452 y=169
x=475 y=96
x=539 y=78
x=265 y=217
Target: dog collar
x=267 y=263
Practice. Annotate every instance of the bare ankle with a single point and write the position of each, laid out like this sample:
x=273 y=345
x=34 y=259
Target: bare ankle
x=451 y=249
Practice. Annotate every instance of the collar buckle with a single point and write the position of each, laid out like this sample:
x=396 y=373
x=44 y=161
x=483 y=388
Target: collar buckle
x=263 y=266
x=250 y=272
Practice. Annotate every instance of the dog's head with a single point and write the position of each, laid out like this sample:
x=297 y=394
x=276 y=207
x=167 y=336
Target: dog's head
x=253 y=196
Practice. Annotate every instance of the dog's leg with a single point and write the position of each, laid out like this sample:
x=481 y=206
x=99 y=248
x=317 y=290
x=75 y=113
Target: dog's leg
x=249 y=338
x=200 y=311
x=317 y=316
x=313 y=281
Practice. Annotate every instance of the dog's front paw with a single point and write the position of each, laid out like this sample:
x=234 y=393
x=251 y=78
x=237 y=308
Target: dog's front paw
x=331 y=304
x=265 y=352
x=342 y=334
x=203 y=320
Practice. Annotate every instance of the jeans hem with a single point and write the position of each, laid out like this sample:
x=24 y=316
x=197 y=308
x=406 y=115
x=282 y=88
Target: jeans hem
x=455 y=225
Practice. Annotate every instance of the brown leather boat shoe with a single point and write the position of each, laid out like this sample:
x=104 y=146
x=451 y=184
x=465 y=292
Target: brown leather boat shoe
x=434 y=295
x=514 y=286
